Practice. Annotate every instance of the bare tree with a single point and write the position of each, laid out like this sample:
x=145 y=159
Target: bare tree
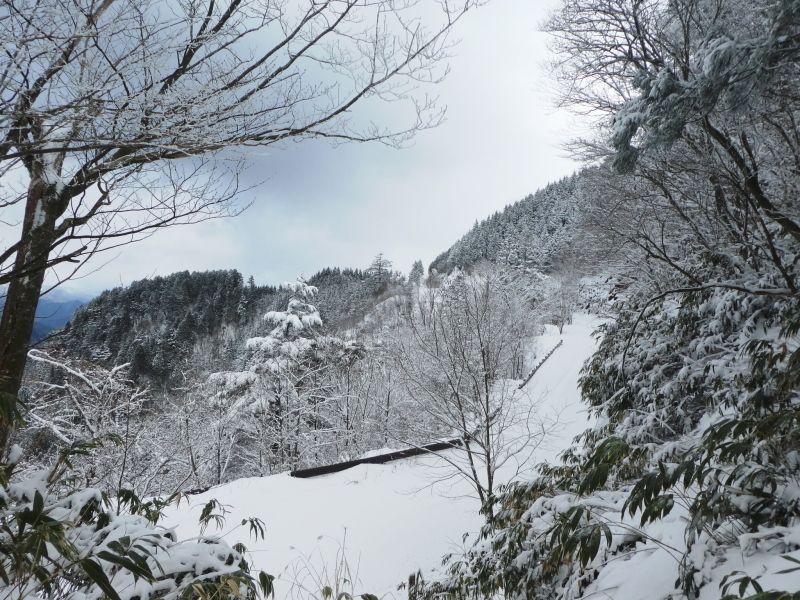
x=72 y=400
x=563 y=299
x=697 y=103
x=114 y=114
x=717 y=78
x=460 y=357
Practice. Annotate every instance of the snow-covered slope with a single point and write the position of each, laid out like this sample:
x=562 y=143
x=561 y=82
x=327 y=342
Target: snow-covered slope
x=556 y=383
x=393 y=519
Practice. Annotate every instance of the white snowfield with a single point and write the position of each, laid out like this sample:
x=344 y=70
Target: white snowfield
x=394 y=519
x=556 y=382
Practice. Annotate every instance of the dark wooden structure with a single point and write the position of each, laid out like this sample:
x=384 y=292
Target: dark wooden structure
x=541 y=362
x=379 y=459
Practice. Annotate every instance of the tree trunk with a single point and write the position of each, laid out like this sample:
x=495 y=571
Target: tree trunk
x=19 y=311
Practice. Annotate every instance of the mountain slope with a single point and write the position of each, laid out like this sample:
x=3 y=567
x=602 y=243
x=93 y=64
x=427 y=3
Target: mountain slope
x=396 y=517
x=528 y=233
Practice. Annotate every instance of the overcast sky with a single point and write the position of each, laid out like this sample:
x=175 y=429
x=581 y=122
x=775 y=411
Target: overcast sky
x=324 y=206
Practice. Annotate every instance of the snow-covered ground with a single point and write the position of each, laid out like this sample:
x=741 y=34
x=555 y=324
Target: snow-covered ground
x=556 y=383
x=391 y=520
x=395 y=518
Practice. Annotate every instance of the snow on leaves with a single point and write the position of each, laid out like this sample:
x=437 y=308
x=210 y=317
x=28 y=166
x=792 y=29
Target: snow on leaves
x=79 y=544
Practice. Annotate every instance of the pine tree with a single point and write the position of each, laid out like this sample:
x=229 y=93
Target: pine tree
x=417 y=272
x=379 y=273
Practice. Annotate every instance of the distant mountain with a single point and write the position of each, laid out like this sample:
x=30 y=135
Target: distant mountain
x=166 y=326
x=529 y=233
x=53 y=312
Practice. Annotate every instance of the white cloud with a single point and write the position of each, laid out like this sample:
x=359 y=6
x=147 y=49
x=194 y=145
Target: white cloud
x=323 y=206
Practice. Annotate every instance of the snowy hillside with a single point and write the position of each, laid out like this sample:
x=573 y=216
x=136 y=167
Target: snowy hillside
x=394 y=518
x=529 y=233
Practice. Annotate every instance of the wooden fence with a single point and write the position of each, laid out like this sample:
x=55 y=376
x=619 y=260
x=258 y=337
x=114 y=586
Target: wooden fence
x=541 y=362
x=379 y=459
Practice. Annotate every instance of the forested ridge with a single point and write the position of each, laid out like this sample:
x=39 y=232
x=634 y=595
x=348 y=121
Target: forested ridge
x=529 y=233
x=198 y=320
x=154 y=323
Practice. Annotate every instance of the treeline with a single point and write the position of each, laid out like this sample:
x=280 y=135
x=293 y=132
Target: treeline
x=529 y=234
x=198 y=321
x=215 y=389
x=303 y=395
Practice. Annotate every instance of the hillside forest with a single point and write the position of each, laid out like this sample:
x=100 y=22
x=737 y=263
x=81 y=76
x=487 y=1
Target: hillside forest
x=682 y=231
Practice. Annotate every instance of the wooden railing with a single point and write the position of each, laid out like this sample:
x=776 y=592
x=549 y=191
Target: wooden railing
x=541 y=362
x=378 y=460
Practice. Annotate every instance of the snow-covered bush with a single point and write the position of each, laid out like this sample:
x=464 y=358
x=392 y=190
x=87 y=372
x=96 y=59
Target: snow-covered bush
x=60 y=540
x=68 y=400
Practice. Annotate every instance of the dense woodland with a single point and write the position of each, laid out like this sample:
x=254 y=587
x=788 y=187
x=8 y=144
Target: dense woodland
x=349 y=371
x=684 y=230
x=201 y=321
x=531 y=233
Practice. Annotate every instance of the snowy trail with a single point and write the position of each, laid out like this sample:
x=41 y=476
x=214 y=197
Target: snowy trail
x=396 y=520
x=555 y=384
